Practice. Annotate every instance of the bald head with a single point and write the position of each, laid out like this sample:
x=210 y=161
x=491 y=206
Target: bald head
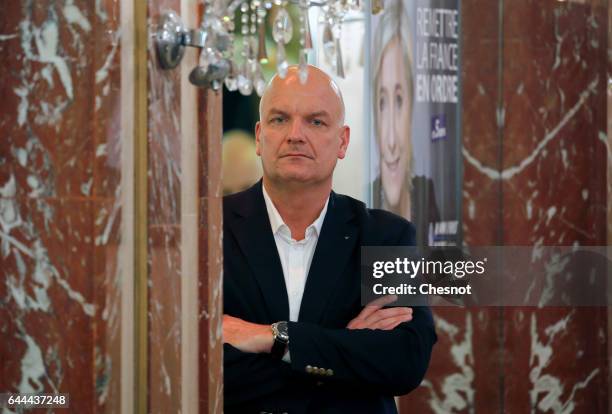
x=318 y=82
x=301 y=134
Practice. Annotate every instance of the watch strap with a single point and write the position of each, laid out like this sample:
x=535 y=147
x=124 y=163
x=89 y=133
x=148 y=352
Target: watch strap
x=281 y=340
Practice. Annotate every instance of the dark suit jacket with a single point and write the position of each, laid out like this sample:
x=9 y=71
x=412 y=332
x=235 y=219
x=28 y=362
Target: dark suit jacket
x=369 y=366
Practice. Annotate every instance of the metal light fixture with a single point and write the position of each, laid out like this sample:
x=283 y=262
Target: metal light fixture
x=218 y=62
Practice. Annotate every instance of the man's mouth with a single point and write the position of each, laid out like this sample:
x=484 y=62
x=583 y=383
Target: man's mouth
x=295 y=154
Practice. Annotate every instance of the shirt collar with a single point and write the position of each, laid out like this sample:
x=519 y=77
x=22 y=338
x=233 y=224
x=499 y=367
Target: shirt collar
x=277 y=221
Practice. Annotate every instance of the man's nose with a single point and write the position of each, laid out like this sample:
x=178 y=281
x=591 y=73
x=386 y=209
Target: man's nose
x=296 y=134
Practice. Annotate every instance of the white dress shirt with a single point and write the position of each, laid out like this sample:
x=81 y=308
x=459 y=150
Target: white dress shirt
x=295 y=256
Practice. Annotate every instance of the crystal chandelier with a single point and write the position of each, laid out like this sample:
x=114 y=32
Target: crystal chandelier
x=219 y=61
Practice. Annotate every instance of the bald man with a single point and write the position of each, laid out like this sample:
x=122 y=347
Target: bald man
x=296 y=337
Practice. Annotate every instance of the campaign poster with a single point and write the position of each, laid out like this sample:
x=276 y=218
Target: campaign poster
x=415 y=95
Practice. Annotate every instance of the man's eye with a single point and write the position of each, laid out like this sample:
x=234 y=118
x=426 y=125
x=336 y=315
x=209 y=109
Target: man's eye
x=277 y=120
x=317 y=122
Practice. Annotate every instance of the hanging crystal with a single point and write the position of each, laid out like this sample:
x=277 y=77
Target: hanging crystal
x=262 y=53
x=282 y=66
x=231 y=82
x=339 y=63
x=258 y=47
x=329 y=44
x=303 y=67
x=254 y=39
x=305 y=35
x=260 y=86
x=253 y=27
x=245 y=83
x=305 y=41
x=282 y=31
x=244 y=28
x=259 y=82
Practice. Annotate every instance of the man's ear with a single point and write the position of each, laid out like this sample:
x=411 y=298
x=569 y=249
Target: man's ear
x=257 y=142
x=345 y=137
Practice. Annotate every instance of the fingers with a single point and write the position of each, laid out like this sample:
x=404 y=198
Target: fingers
x=387 y=313
x=383 y=319
x=375 y=305
x=390 y=323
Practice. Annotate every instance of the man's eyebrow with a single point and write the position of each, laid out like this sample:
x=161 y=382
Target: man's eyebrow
x=319 y=114
x=276 y=111
x=316 y=114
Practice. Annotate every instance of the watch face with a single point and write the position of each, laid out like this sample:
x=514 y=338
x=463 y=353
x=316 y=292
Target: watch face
x=283 y=331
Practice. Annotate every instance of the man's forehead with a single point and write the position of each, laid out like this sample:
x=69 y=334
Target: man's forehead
x=302 y=102
x=319 y=93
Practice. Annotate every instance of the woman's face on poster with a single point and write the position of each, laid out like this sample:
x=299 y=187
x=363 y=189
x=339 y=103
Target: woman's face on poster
x=394 y=119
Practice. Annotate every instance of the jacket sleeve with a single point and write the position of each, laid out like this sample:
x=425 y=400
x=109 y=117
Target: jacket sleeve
x=249 y=376
x=393 y=362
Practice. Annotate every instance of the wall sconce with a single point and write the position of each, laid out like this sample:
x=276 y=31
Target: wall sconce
x=219 y=64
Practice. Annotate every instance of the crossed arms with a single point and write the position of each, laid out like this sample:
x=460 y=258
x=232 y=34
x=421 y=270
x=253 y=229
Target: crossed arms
x=386 y=350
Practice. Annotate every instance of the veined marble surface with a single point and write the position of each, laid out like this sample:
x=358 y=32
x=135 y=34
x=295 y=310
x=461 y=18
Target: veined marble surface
x=61 y=201
x=536 y=159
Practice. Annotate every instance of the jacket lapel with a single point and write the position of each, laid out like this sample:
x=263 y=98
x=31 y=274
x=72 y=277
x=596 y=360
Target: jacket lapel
x=334 y=248
x=254 y=235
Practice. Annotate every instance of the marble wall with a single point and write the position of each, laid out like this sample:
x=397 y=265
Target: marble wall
x=184 y=232
x=210 y=357
x=536 y=154
x=61 y=201
x=164 y=226
x=554 y=192
x=535 y=161
x=71 y=119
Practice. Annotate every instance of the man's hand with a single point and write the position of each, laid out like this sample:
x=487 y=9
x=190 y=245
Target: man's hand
x=247 y=336
x=374 y=317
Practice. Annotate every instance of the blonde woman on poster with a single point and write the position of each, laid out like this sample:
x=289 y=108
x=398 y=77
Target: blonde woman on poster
x=397 y=188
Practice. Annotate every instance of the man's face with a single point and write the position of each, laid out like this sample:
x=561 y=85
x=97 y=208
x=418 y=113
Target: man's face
x=300 y=135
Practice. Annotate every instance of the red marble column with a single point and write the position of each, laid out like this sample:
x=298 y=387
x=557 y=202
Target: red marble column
x=554 y=190
x=61 y=201
x=170 y=141
x=66 y=212
x=164 y=226
x=211 y=254
x=535 y=164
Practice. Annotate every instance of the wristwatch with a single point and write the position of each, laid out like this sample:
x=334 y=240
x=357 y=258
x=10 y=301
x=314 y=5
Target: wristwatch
x=280 y=332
